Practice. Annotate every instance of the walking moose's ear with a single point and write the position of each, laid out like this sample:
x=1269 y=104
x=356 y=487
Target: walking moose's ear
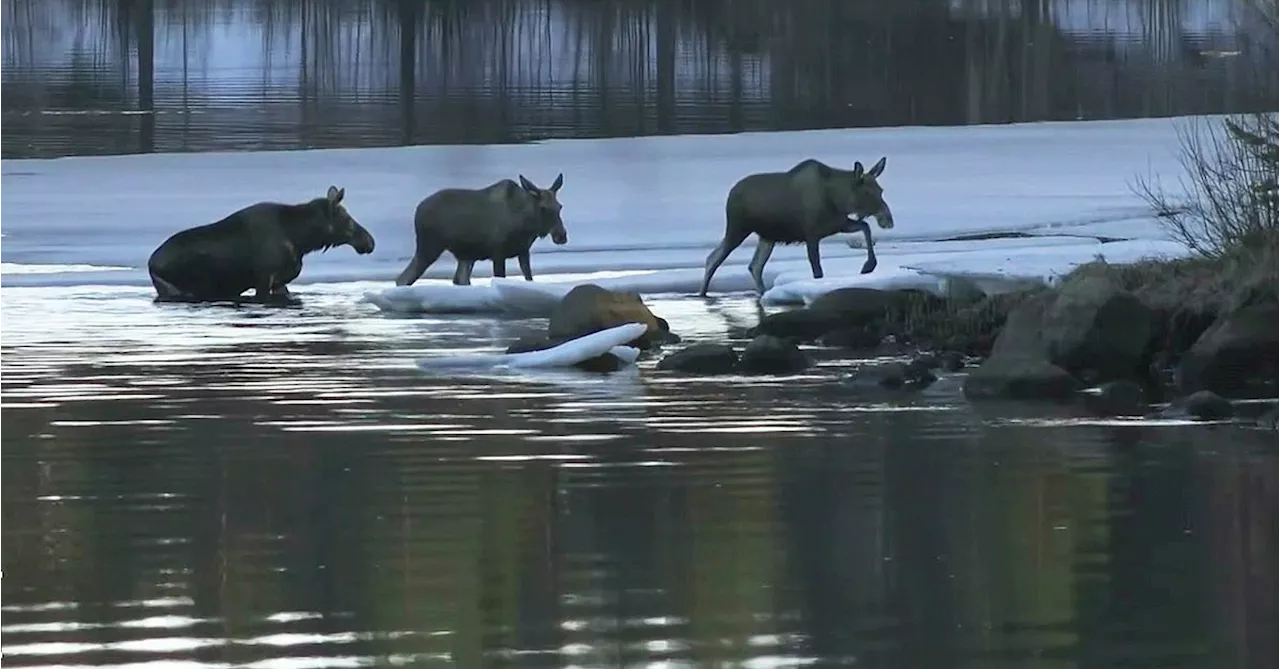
x=878 y=168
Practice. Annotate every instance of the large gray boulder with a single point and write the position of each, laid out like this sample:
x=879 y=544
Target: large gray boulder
x=1090 y=328
x=1095 y=328
x=1235 y=357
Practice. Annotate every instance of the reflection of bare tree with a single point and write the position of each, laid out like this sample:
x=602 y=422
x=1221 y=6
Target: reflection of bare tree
x=377 y=72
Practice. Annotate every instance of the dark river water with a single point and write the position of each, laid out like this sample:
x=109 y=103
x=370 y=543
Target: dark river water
x=283 y=489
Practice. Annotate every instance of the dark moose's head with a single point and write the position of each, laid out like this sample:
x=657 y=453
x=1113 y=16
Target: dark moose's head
x=867 y=197
x=340 y=227
x=548 y=208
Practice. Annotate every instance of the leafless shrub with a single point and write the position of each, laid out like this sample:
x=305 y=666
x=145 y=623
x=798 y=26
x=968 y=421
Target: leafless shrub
x=1227 y=204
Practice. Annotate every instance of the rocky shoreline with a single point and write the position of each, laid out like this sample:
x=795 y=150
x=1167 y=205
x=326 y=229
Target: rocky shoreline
x=1117 y=338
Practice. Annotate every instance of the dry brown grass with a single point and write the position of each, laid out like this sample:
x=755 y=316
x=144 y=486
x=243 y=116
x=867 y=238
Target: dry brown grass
x=969 y=326
x=1199 y=284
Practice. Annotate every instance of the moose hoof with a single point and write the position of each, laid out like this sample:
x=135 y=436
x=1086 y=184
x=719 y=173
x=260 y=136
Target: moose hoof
x=869 y=267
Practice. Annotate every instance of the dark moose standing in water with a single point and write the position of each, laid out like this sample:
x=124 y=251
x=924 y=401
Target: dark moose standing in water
x=805 y=204
x=259 y=247
x=497 y=222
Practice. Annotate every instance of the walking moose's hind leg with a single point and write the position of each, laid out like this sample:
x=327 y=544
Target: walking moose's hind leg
x=733 y=238
x=425 y=254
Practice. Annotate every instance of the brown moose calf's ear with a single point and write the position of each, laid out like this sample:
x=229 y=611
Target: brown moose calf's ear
x=528 y=185
x=555 y=186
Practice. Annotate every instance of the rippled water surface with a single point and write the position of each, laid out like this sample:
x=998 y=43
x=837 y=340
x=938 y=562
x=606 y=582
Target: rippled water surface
x=282 y=488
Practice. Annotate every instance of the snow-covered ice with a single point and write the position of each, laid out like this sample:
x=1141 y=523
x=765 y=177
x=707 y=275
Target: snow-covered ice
x=642 y=213
x=991 y=270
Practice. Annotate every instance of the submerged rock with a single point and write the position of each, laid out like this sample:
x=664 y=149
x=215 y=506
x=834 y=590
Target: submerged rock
x=1020 y=378
x=701 y=359
x=767 y=354
x=951 y=361
x=1206 y=405
x=1118 y=398
x=1267 y=421
x=892 y=376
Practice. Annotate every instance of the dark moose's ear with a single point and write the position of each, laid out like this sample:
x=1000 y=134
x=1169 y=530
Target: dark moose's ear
x=857 y=169
x=555 y=185
x=335 y=194
x=528 y=185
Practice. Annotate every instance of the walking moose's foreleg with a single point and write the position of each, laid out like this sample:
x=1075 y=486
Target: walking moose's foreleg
x=526 y=268
x=865 y=228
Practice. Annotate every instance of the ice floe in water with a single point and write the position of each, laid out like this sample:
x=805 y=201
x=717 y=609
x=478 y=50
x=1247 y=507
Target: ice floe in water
x=612 y=340
x=642 y=213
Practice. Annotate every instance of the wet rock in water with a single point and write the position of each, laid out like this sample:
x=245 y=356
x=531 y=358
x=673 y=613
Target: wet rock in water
x=1267 y=421
x=1020 y=378
x=893 y=376
x=919 y=374
x=951 y=361
x=858 y=338
x=530 y=343
x=701 y=359
x=605 y=362
x=1235 y=357
x=1119 y=398
x=978 y=345
x=927 y=360
x=801 y=324
x=588 y=308
x=1206 y=405
x=767 y=354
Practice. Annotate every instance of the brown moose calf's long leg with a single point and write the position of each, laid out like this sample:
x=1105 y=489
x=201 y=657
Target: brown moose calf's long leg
x=500 y=267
